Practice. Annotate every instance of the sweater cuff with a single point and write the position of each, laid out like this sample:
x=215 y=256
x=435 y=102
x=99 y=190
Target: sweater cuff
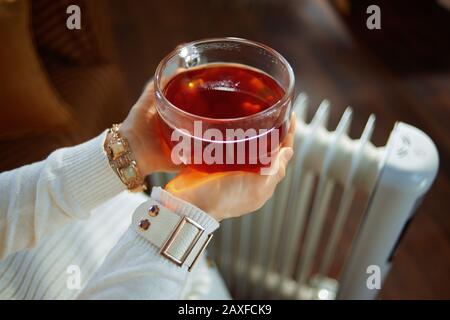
x=88 y=176
x=183 y=208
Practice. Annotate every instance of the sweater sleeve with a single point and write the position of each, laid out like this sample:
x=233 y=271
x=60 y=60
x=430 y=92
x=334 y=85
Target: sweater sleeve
x=134 y=269
x=38 y=199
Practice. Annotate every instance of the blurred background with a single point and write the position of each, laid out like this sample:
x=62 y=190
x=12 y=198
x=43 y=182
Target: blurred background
x=59 y=87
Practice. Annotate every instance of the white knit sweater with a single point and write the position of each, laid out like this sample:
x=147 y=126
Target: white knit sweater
x=67 y=218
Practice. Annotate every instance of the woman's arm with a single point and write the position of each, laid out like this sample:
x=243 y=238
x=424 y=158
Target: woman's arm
x=39 y=199
x=135 y=269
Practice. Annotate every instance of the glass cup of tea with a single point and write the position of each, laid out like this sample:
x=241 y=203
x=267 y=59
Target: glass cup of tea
x=223 y=104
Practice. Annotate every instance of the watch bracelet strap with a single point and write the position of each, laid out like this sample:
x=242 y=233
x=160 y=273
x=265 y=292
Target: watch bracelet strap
x=178 y=238
x=122 y=161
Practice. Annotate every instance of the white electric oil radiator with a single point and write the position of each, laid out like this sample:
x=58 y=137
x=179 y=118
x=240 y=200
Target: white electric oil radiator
x=331 y=229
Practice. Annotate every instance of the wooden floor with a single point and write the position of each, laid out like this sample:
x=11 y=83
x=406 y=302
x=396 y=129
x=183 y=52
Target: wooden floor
x=329 y=63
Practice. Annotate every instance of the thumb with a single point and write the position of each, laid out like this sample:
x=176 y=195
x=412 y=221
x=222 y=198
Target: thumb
x=284 y=157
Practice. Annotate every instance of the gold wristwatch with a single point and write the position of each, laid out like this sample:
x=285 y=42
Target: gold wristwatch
x=122 y=161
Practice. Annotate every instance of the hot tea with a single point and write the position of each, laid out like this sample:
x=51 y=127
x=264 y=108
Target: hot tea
x=225 y=92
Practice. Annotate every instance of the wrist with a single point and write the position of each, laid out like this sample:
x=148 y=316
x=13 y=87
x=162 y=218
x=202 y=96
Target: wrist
x=184 y=207
x=199 y=203
x=178 y=229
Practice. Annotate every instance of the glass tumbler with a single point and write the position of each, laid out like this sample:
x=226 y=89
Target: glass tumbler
x=244 y=143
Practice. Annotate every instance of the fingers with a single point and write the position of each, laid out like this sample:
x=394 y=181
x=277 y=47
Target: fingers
x=284 y=157
x=189 y=178
x=149 y=86
x=148 y=93
x=289 y=139
x=293 y=123
x=147 y=97
x=277 y=169
x=146 y=105
x=267 y=184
